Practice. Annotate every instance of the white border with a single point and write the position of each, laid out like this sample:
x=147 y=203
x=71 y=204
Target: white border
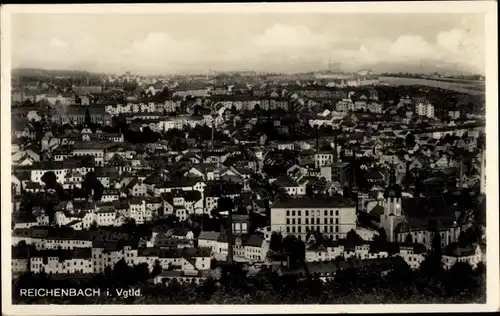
x=486 y=7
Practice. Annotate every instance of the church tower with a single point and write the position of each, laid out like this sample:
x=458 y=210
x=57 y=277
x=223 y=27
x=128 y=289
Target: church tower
x=392 y=207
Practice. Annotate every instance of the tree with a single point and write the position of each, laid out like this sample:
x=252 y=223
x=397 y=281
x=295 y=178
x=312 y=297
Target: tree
x=379 y=242
x=352 y=236
x=410 y=140
x=408 y=239
x=87 y=120
x=276 y=243
x=157 y=269
x=165 y=92
x=91 y=185
x=50 y=179
x=459 y=278
x=141 y=272
x=225 y=204
x=436 y=243
x=122 y=272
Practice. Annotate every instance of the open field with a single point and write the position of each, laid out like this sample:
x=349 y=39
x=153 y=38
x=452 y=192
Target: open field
x=464 y=86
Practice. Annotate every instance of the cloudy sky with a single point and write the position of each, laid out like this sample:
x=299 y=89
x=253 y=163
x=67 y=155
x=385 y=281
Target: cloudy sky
x=288 y=42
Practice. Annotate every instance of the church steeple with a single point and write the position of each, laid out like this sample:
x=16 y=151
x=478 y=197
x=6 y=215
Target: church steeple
x=392 y=207
x=393 y=190
x=392 y=176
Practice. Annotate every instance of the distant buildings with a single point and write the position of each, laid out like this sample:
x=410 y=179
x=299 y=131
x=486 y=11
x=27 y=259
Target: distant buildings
x=425 y=109
x=265 y=155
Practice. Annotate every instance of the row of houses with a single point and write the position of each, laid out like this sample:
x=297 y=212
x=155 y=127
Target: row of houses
x=413 y=254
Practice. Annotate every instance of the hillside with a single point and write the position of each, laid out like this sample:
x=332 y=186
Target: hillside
x=35 y=72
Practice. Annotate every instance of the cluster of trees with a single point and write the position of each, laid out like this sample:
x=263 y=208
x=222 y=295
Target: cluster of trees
x=290 y=247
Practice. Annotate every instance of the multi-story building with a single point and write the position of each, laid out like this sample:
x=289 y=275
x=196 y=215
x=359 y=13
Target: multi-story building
x=323 y=158
x=345 y=105
x=454 y=253
x=375 y=107
x=62 y=261
x=424 y=109
x=332 y=216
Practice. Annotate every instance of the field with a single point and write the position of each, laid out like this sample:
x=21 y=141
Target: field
x=464 y=86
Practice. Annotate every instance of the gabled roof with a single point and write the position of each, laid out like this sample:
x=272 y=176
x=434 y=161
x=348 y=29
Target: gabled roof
x=208 y=235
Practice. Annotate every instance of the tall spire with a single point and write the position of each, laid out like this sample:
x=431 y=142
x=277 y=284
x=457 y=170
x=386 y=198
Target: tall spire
x=392 y=175
x=393 y=190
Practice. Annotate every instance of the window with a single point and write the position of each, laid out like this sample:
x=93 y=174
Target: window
x=288 y=221
x=293 y=213
x=307 y=213
x=287 y=229
x=299 y=213
x=287 y=213
x=317 y=220
x=331 y=213
x=336 y=229
x=337 y=221
x=307 y=221
x=336 y=213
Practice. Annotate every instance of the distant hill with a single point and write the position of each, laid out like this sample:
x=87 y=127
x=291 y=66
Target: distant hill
x=35 y=72
x=425 y=66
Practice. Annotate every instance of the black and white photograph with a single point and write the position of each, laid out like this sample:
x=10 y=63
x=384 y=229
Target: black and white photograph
x=304 y=157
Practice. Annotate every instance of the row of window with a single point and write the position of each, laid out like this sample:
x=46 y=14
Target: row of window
x=318 y=221
x=317 y=212
x=298 y=229
x=77 y=242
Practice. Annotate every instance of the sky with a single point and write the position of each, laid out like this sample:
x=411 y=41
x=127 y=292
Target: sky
x=287 y=42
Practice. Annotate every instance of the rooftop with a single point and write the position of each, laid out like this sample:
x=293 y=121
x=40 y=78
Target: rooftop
x=326 y=202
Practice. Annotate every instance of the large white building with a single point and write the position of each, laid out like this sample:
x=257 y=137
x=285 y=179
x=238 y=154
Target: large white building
x=333 y=217
x=424 y=109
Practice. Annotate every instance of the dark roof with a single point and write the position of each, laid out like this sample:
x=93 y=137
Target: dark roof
x=456 y=250
x=424 y=212
x=326 y=202
x=246 y=240
x=180 y=231
x=207 y=235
